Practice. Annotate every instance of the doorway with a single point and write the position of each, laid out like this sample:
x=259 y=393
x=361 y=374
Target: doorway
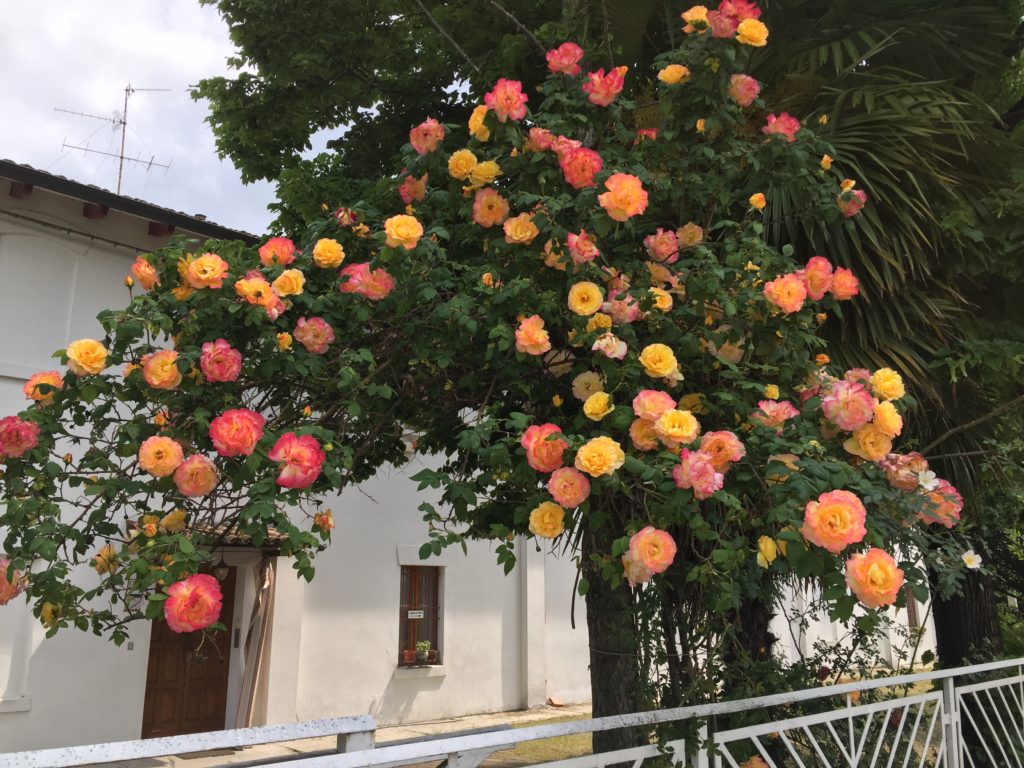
x=187 y=686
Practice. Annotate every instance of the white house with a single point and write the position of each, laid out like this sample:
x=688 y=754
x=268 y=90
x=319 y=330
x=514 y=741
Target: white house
x=294 y=651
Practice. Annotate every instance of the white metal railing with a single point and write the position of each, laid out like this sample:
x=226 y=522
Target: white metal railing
x=973 y=718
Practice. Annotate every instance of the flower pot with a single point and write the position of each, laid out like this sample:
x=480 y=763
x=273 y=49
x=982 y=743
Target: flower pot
x=422 y=656
x=432 y=657
x=409 y=656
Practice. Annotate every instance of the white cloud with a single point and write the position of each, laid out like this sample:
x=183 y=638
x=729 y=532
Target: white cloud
x=80 y=56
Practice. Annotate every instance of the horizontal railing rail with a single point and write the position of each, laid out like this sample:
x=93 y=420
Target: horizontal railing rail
x=934 y=728
x=352 y=732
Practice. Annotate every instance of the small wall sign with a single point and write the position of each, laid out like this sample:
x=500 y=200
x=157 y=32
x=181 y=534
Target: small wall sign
x=415 y=614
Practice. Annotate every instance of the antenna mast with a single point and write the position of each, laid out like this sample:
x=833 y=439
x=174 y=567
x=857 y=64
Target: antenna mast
x=118 y=121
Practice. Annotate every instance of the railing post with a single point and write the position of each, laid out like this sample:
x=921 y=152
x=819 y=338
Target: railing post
x=951 y=723
x=356 y=741
x=700 y=755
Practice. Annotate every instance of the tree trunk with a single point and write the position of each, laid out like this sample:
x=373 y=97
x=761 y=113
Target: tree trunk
x=614 y=683
x=967 y=625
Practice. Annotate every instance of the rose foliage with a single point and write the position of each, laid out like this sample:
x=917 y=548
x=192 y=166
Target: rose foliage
x=570 y=302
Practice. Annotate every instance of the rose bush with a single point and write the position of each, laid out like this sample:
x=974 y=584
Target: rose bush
x=573 y=304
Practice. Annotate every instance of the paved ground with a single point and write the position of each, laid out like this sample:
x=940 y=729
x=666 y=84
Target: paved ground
x=292 y=749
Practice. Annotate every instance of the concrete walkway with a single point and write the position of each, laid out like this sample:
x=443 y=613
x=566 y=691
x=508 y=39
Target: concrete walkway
x=292 y=749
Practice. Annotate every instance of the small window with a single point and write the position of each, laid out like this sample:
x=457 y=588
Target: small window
x=419 y=617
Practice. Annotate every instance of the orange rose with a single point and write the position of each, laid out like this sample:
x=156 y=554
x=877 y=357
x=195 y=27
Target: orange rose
x=874 y=577
x=520 y=229
x=51 y=381
x=207 y=271
x=160 y=370
x=531 y=338
x=402 y=230
x=160 y=456
x=625 y=198
x=834 y=521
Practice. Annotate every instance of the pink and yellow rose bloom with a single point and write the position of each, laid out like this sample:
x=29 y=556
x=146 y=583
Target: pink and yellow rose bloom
x=531 y=338
x=427 y=136
x=220 y=362
x=601 y=88
x=41 y=387
x=625 y=197
x=160 y=369
x=568 y=487
x=314 y=333
x=17 y=437
x=193 y=603
x=696 y=471
x=507 y=100
x=547 y=520
x=196 y=476
x=565 y=59
x=373 y=284
x=544 y=446
x=86 y=357
x=277 y=251
x=236 y=432
x=301 y=460
x=207 y=271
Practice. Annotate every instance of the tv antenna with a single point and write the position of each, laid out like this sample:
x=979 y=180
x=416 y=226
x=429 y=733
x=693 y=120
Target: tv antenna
x=119 y=120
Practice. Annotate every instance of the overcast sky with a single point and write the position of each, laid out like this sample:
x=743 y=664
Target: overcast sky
x=80 y=55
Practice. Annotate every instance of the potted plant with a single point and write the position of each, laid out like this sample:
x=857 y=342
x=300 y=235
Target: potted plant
x=409 y=656
x=423 y=651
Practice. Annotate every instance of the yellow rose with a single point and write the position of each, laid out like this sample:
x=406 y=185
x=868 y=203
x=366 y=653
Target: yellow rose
x=585 y=298
x=696 y=19
x=675 y=427
x=106 y=559
x=402 y=230
x=600 y=456
x=752 y=32
x=49 y=614
x=484 y=173
x=328 y=253
x=700 y=125
x=520 y=229
x=771 y=392
x=767 y=551
x=586 y=384
x=826 y=162
x=547 y=520
x=662 y=299
x=174 y=521
x=888 y=419
x=284 y=341
x=674 y=74
x=597 y=406
x=289 y=283
x=692 y=402
x=557 y=401
x=461 y=164
x=599 y=322
x=658 y=361
x=86 y=356
x=477 y=129
x=869 y=442
x=758 y=201
x=886 y=384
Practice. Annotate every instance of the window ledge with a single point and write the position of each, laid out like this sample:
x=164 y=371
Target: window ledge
x=19 y=704
x=419 y=673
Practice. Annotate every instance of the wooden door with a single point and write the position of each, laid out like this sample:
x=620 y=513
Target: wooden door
x=186 y=690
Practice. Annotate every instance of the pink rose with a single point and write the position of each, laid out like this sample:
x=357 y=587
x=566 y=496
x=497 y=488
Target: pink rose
x=611 y=346
x=602 y=89
x=193 y=603
x=696 y=470
x=786 y=292
x=817 y=277
x=772 y=413
x=662 y=246
x=568 y=487
x=851 y=202
x=622 y=307
x=17 y=437
x=543 y=453
x=782 y=125
x=374 y=284
x=277 y=250
x=531 y=338
x=653 y=549
x=565 y=59
x=314 y=334
x=539 y=140
x=650 y=404
x=220 y=361
x=507 y=100
x=301 y=459
x=848 y=405
x=11 y=587
x=425 y=138
x=579 y=166
x=635 y=571
x=744 y=89
x=844 y=284
x=582 y=247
